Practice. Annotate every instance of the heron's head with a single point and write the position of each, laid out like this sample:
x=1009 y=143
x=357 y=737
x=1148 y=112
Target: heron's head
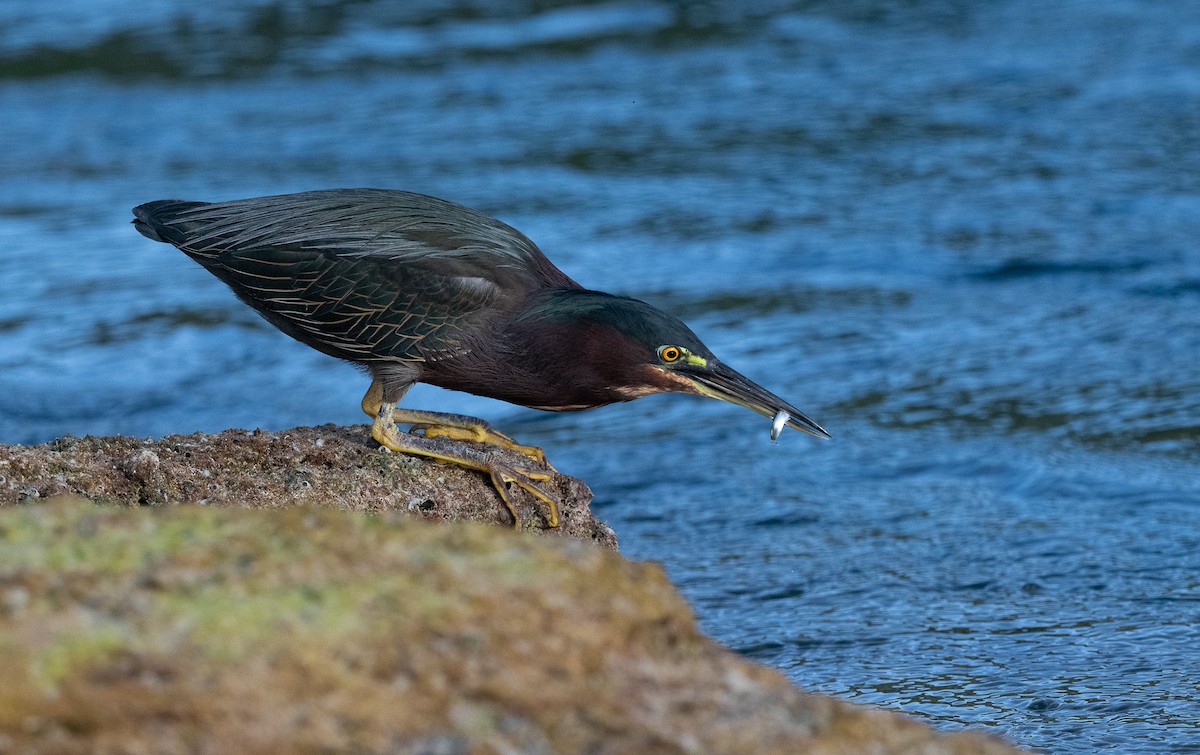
x=654 y=352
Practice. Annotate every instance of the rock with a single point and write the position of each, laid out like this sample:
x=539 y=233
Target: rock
x=181 y=629
x=339 y=467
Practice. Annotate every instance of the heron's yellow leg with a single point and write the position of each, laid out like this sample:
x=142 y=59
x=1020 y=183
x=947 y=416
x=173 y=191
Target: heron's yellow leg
x=373 y=399
x=452 y=426
x=384 y=431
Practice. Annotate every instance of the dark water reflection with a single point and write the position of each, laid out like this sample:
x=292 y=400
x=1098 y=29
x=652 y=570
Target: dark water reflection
x=962 y=235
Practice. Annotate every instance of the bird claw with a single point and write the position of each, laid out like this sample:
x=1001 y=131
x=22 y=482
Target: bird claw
x=480 y=434
x=478 y=459
x=503 y=474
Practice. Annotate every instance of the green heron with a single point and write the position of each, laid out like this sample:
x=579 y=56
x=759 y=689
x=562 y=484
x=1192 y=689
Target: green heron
x=419 y=289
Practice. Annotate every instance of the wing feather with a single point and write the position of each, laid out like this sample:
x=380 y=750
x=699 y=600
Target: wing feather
x=363 y=274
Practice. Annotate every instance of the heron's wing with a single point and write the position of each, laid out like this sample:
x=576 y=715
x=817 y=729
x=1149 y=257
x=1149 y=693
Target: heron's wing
x=363 y=274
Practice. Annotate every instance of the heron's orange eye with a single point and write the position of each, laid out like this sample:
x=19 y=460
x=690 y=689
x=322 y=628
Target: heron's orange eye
x=670 y=353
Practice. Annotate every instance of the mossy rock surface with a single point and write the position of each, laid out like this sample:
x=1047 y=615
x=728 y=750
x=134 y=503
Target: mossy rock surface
x=218 y=630
x=327 y=466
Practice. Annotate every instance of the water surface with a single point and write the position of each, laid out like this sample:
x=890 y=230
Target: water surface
x=962 y=236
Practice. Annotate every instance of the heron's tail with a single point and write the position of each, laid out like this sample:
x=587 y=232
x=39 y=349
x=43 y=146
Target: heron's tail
x=159 y=220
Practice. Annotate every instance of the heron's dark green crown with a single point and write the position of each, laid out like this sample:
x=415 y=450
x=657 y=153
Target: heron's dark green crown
x=641 y=323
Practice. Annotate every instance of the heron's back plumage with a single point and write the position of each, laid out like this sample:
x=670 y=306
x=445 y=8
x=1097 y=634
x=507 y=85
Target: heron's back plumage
x=363 y=274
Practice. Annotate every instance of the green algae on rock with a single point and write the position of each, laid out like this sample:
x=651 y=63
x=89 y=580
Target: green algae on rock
x=200 y=629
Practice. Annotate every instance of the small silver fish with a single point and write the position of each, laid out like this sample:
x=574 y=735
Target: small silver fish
x=781 y=419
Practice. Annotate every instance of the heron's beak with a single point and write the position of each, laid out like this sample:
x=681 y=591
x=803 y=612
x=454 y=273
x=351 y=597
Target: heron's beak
x=724 y=383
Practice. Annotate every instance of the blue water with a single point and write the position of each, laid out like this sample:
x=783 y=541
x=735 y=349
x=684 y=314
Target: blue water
x=962 y=236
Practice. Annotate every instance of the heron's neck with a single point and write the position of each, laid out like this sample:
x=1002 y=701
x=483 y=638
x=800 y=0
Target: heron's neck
x=556 y=366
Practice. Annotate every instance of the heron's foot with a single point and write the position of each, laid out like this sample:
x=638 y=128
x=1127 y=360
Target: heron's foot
x=481 y=433
x=451 y=426
x=385 y=432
